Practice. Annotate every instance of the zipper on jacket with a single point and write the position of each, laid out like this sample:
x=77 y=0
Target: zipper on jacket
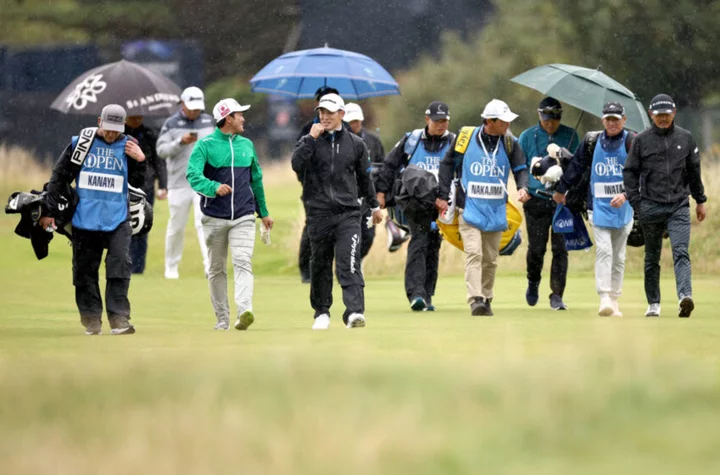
x=232 y=174
x=667 y=161
x=332 y=166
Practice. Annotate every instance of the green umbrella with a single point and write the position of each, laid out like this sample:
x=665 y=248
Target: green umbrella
x=587 y=89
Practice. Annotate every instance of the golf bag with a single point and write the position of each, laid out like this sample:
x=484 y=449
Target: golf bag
x=141 y=211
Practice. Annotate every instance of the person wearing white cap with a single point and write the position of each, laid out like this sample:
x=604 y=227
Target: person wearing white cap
x=354 y=119
x=177 y=139
x=482 y=159
x=332 y=165
x=102 y=162
x=225 y=171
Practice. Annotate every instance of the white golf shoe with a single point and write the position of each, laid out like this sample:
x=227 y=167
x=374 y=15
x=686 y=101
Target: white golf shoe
x=322 y=322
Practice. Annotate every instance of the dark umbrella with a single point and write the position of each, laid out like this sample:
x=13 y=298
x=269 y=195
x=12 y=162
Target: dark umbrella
x=584 y=88
x=139 y=90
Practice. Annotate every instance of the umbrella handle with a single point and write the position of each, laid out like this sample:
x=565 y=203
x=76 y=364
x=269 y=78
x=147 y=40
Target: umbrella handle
x=575 y=134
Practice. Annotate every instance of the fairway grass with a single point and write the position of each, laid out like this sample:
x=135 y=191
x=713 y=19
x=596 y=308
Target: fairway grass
x=528 y=391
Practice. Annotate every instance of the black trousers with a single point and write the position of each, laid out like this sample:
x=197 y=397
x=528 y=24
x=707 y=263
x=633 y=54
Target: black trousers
x=88 y=249
x=305 y=253
x=139 y=244
x=655 y=219
x=336 y=236
x=421 y=269
x=538 y=216
x=367 y=234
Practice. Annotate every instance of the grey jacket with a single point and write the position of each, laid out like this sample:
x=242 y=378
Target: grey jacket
x=177 y=154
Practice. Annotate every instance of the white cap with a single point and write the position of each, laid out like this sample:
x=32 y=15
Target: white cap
x=331 y=102
x=193 y=98
x=225 y=107
x=497 y=109
x=112 y=118
x=353 y=112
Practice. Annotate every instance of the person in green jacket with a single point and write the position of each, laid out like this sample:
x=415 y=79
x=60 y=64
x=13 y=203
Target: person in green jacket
x=224 y=170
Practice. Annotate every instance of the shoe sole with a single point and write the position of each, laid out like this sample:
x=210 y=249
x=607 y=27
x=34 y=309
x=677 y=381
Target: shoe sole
x=481 y=312
x=606 y=312
x=93 y=333
x=655 y=315
x=357 y=323
x=246 y=319
x=686 y=308
x=123 y=331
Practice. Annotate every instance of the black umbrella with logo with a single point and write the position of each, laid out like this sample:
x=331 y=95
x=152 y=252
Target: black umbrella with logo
x=139 y=90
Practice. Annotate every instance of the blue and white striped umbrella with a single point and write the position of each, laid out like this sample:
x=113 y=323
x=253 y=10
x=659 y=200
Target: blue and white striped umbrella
x=299 y=74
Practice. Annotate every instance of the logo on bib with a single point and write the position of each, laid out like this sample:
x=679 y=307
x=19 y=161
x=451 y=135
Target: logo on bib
x=487 y=167
x=609 y=167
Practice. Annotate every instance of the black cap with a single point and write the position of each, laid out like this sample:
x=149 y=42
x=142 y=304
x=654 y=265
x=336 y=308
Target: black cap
x=662 y=104
x=550 y=108
x=323 y=90
x=438 y=111
x=613 y=109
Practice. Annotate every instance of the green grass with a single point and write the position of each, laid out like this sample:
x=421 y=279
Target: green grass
x=527 y=391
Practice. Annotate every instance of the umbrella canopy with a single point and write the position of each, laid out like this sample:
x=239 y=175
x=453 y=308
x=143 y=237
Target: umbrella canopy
x=139 y=90
x=586 y=89
x=299 y=74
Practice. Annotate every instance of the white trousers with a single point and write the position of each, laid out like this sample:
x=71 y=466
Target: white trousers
x=180 y=201
x=239 y=236
x=610 y=246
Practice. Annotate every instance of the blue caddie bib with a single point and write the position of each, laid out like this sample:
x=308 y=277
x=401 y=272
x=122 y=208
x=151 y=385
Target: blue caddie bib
x=484 y=179
x=606 y=181
x=420 y=157
x=102 y=187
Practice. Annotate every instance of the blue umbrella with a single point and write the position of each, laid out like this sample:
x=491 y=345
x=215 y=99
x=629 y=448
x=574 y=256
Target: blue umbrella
x=299 y=74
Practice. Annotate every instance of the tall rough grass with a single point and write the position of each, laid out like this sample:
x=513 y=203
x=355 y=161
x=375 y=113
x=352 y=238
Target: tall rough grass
x=20 y=169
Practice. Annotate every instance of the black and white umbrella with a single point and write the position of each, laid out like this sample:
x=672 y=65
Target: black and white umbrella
x=139 y=90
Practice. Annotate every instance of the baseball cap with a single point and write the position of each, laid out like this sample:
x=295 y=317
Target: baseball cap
x=438 y=111
x=353 y=112
x=193 y=98
x=550 y=109
x=497 y=109
x=613 y=109
x=322 y=90
x=331 y=102
x=662 y=104
x=113 y=117
x=227 y=106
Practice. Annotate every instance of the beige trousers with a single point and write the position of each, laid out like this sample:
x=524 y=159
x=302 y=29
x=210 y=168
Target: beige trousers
x=481 y=254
